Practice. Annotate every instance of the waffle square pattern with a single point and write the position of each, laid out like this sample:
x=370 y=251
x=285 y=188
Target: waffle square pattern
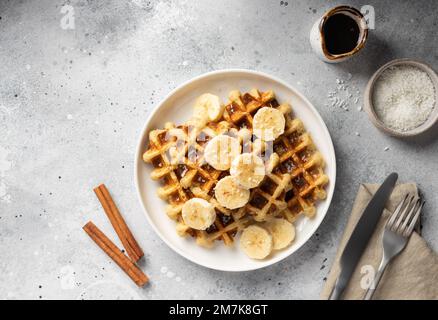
x=245 y=165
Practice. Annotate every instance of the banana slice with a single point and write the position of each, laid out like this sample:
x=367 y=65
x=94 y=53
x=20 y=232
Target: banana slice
x=229 y=194
x=199 y=118
x=221 y=150
x=210 y=105
x=248 y=170
x=268 y=124
x=256 y=242
x=282 y=231
x=198 y=213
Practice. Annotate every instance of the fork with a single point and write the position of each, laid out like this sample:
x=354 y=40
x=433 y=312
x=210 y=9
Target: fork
x=398 y=229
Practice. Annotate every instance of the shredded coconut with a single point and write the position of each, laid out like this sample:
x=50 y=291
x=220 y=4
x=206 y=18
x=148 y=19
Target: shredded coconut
x=404 y=97
x=342 y=96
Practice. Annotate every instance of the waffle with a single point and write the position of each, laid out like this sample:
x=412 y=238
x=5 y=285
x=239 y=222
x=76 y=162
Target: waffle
x=297 y=153
x=293 y=183
x=299 y=157
x=185 y=176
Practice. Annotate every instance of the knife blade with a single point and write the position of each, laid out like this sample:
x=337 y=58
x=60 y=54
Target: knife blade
x=361 y=234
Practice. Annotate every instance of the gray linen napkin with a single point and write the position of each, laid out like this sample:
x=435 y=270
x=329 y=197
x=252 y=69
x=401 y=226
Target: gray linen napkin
x=411 y=275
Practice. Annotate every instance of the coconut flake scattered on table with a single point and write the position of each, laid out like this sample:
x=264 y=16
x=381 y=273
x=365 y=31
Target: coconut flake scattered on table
x=344 y=95
x=404 y=97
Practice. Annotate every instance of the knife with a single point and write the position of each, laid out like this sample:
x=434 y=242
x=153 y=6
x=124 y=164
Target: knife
x=361 y=234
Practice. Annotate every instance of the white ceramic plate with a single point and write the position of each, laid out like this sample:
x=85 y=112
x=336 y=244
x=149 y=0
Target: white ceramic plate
x=177 y=107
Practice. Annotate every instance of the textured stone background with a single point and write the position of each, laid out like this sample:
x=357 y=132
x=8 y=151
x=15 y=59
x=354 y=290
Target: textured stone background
x=72 y=103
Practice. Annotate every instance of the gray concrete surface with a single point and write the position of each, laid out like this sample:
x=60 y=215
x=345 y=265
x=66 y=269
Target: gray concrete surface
x=73 y=101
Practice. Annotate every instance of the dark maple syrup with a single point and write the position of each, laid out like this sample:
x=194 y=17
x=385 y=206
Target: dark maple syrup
x=341 y=33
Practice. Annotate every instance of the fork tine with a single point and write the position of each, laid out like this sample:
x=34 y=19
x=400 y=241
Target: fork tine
x=396 y=212
x=413 y=222
x=402 y=216
x=408 y=218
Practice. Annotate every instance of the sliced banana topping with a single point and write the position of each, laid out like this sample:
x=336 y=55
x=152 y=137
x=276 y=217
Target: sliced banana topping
x=221 y=150
x=248 y=170
x=256 y=242
x=199 y=118
x=268 y=124
x=198 y=213
x=282 y=231
x=231 y=195
x=210 y=105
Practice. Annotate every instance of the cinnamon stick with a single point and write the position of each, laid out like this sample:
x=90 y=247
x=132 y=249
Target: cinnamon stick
x=116 y=254
x=129 y=243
